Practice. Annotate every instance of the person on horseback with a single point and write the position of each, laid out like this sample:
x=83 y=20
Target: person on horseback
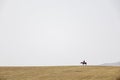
x=84 y=62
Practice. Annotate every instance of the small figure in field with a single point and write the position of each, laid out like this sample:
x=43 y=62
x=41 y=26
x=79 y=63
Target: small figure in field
x=84 y=63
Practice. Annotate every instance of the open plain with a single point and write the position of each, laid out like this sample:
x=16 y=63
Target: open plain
x=60 y=73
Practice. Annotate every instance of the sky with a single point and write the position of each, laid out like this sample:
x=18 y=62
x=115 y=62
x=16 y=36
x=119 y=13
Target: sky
x=59 y=32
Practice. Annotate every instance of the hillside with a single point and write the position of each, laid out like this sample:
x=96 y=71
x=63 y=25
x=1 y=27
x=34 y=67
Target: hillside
x=60 y=73
x=112 y=64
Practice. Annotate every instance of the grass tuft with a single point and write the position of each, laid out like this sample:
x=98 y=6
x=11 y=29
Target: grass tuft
x=118 y=78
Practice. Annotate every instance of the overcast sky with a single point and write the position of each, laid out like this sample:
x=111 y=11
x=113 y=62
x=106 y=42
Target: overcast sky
x=59 y=32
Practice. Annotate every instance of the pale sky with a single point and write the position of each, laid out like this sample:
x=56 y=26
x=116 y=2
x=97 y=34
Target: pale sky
x=59 y=32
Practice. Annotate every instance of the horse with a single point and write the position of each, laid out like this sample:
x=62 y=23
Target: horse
x=84 y=63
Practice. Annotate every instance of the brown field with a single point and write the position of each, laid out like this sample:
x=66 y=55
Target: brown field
x=60 y=73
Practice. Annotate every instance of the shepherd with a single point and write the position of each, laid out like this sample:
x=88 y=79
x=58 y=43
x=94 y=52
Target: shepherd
x=84 y=63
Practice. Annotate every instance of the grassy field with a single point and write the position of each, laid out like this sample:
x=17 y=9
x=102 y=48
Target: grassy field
x=60 y=73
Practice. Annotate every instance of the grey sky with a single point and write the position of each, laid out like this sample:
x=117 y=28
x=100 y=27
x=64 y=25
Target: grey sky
x=59 y=32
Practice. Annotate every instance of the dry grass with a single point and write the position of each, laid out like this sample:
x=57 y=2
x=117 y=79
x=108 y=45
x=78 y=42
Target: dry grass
x=60 y=73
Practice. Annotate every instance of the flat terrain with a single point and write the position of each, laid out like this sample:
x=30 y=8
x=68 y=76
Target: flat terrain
x=60 y=73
